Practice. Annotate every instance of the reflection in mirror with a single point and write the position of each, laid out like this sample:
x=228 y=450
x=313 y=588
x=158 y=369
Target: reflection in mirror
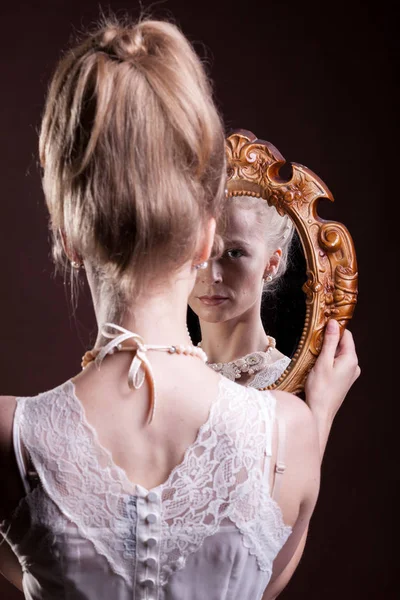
x=283 y=311
x=248 y=301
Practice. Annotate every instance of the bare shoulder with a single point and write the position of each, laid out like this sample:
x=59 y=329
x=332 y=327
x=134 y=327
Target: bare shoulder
x=292 y=407
x=297 y=415
x=7 y=409
x=301 y=450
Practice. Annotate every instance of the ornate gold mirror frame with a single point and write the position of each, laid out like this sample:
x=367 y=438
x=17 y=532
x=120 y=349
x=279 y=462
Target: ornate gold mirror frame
x=332 y=278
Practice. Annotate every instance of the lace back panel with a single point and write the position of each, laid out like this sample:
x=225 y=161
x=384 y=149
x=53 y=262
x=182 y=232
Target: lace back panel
x=223 y=478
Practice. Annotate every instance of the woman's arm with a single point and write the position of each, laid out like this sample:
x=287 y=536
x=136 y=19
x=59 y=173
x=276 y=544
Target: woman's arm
x=278 y=585
x=9 y=565
x=334 y=372
x=299 y=488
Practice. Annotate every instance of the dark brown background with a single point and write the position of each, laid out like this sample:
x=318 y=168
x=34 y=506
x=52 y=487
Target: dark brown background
x=318 y=81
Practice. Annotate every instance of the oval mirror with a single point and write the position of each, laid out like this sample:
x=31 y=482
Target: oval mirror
x=260 y=307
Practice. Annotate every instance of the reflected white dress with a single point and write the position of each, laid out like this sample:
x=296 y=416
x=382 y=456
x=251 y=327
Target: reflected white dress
x=260 y=369
x=84 y=531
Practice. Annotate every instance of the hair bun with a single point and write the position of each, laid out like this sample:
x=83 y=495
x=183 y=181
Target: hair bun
x=121 y=43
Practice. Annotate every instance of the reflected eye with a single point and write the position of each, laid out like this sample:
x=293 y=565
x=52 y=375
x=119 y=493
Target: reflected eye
x=234 y=253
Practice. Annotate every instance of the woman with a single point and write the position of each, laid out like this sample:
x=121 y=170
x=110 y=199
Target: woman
x=228 y=294
x=147 y=475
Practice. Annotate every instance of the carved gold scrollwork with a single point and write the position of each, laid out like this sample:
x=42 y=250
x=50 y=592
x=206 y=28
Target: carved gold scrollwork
x=332 y=278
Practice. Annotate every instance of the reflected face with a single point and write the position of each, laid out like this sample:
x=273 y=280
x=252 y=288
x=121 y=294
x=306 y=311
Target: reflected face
x=232 y=284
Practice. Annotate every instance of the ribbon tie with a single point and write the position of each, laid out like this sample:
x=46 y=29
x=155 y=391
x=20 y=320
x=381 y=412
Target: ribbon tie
x=140 y=365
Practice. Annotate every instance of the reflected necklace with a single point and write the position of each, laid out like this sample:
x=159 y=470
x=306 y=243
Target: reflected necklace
x=249 y=364
x=140 y=365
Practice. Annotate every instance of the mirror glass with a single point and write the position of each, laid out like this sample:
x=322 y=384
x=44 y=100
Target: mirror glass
x=247 y=308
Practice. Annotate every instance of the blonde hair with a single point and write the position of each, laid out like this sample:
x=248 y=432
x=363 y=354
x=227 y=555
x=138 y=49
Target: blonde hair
x=132 y=148
x=278 y=232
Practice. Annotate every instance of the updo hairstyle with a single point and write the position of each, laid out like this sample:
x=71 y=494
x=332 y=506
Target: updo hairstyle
x=133 y=157
x=277 y=230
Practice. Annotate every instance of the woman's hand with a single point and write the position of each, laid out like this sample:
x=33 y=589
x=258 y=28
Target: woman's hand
x=334 y=372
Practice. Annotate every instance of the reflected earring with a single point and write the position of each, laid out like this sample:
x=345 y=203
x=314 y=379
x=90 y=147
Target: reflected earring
x=202 y=265
x=75 y=265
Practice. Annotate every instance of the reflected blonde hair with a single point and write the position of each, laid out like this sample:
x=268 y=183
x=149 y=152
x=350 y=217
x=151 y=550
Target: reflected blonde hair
x=132 y=148
x=278 y=232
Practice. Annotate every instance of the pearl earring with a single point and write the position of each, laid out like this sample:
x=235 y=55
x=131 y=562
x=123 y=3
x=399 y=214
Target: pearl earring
x=75 y=265
x=202 y=265
x=269 y=278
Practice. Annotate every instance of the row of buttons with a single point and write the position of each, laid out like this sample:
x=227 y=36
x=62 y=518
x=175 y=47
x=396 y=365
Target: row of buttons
x=151 y=542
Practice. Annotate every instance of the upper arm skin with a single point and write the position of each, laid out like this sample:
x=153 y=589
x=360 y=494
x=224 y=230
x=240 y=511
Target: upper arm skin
x=7 y=458
x=299 y=487
x=277 y=585
x=9 y=564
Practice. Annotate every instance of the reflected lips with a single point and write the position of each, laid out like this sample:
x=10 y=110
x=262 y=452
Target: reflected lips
x=212 y=300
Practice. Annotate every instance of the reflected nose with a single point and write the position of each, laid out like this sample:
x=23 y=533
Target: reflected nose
x=213 y=272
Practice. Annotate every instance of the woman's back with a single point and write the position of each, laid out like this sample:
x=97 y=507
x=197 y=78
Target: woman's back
x=123 y=496
x=181 y=509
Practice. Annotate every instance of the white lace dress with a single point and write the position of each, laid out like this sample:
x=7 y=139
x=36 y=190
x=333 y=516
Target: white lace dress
x=260 y=370
x=270 y=374
x=85 y=531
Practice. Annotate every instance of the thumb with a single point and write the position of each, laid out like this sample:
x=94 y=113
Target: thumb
x=331 y=340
